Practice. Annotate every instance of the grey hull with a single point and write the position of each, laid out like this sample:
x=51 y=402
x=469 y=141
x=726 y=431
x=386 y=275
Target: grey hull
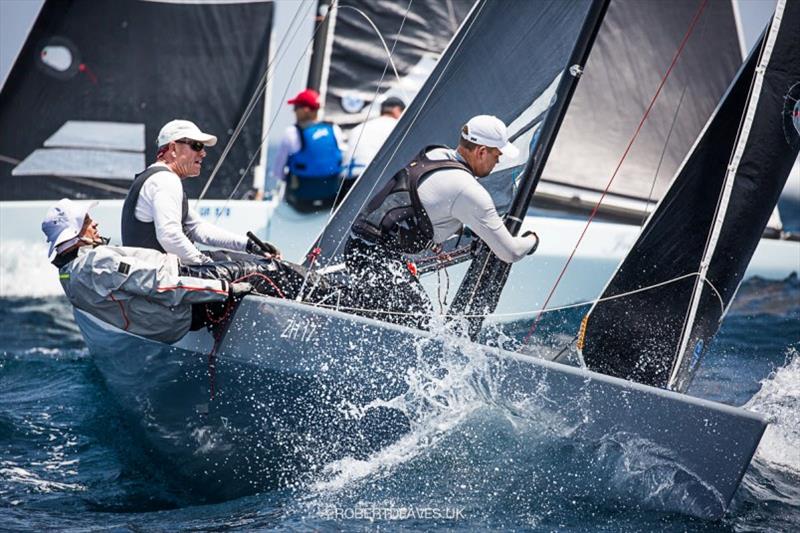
x=296 y=387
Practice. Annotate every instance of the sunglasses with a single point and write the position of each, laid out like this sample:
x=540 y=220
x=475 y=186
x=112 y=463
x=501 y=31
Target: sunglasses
x=194 y=145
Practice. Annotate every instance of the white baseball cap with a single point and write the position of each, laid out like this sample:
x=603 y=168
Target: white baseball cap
x=176 y=130
x=64 y=222
x=488 y=130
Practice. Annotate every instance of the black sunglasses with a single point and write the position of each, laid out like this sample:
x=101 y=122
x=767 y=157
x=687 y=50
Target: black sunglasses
x=194 y=145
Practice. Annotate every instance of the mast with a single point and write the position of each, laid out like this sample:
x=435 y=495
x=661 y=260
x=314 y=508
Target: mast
x=321 y=48
x=480 y=291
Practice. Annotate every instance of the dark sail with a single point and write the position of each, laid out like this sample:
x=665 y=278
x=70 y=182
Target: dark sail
x=633 y=50
x=95 y=81
x=703 y=233
x=487 y=275
x=358 y=58
x=481 y=72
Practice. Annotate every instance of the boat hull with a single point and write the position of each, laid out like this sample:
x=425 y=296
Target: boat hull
x=296 y=387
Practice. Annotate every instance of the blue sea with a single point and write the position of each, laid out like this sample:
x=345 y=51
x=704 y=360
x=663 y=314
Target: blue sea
x=69 y=461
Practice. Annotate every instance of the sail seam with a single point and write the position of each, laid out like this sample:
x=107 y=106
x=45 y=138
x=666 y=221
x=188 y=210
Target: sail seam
x=730 y=178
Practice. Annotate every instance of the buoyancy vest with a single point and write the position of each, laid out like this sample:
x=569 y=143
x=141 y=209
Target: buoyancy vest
x=395 y=217
x=319 y=156
x=134 y=231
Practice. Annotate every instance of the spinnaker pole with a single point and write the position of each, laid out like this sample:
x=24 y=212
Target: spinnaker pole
x=480 y=291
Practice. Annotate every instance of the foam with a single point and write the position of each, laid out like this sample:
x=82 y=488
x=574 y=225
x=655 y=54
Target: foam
x=26 y=272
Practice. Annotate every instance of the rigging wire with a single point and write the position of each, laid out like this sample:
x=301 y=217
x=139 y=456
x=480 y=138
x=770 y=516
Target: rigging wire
x=526 y=314
x=411 y=123
x=389 y=61
x=669 y=70
x=259 y=91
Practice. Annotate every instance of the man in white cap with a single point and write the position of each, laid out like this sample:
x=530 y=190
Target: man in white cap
x=424 y=204
x=156 y=212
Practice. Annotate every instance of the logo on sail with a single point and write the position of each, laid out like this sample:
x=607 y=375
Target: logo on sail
x=59 y=57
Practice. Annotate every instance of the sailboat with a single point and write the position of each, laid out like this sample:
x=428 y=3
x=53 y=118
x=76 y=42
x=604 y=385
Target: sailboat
x=286 y=386
x=80 y=110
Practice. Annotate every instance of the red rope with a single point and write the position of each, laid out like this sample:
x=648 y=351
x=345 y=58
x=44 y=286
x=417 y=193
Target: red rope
x=212 y=364
x=692 y=25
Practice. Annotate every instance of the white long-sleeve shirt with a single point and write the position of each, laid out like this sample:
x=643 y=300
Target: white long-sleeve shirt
x=160 y=201
x=364 y=141
x=290 y=144
x=453 y=197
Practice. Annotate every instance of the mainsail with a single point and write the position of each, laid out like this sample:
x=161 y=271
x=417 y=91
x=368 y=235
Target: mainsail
x=694 y=249
x=502 y=61
x=95 y=81
x=358 y=58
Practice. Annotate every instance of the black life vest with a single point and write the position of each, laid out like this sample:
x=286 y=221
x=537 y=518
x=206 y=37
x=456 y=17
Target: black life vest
x=394 y=217
x=134 y=231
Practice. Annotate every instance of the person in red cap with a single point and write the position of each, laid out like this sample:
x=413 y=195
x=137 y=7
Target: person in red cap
x=309 y=158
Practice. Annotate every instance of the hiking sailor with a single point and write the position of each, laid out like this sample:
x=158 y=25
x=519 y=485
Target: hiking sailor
x=425 y=203
x=156 y=212
x=366 y=139
x=309 y=158
x=140 y=290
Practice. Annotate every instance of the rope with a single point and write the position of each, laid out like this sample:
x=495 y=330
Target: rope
x=522 y=314
x=622 y=159
x=408 y=129
x=389 y=61
x=369 y=111
x=260 y=89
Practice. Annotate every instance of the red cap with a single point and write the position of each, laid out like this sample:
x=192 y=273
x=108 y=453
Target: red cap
x=309 y=98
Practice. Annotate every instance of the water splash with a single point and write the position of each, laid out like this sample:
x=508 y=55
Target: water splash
x=25 y=271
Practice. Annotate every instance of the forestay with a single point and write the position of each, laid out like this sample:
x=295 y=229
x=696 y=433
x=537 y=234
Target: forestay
x=698 y=242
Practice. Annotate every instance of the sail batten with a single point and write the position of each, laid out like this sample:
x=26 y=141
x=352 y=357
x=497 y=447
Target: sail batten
x=112 y=89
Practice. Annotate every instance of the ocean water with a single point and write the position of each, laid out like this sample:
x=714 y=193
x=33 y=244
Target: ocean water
x=69 y=460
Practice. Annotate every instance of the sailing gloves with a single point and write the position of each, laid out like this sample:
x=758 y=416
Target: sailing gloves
x=536 y=242
x=258 y=247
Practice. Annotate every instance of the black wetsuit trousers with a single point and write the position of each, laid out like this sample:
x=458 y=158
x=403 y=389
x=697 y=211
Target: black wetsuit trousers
x=383 y=287
x=269 y=277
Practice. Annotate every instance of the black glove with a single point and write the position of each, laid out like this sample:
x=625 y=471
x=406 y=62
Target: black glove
x=535 y=244
x=237 y=291
x=256 y=246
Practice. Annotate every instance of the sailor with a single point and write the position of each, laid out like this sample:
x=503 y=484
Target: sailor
x=366 y=139
x=140 y=290
x=425 y=203
x=309 y=158
x=156 y=212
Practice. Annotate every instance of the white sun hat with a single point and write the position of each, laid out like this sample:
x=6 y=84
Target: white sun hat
x=176 y=130
x=64 y=221
x=488 y=130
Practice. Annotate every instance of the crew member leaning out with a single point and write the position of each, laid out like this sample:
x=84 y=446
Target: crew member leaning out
x=424 y=204
x=156 y=212
x=143 y=291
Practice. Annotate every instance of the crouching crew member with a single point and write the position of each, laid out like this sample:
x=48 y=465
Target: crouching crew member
x=148 y=292
x=156 y=212
x=421 y=206
x=309 y=159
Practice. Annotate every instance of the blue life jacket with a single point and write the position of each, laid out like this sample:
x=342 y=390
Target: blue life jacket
x=319 y=156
